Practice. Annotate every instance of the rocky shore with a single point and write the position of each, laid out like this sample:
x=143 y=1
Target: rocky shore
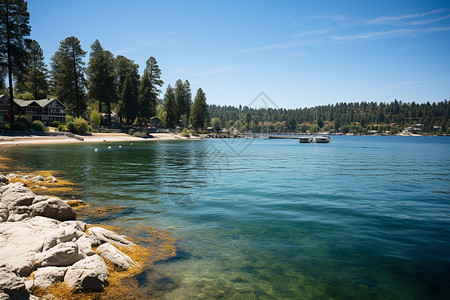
x=42 y=244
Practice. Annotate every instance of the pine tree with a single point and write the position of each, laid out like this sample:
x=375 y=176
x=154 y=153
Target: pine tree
x=199 y=110
x=171 y=107
x=149 y=89
x=129 y=97
x=14 y=19
x=68 y=75
x=36 y=77
x=126 y=69
x=101 y=77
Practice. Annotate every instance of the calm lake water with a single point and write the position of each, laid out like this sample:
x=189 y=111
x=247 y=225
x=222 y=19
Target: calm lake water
x=359 y=218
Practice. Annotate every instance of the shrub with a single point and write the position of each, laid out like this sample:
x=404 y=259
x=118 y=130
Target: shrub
x=19 y=126
x=25 y=121
x=62 y=127
x=69 y=119
x=81 y=125
x=56 y=124
x=38 y=126
x=185 y=133
x=71 y=127
x=95 y=117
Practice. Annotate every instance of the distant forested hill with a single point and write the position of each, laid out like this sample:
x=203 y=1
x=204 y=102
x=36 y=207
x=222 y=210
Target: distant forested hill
x=344 y=117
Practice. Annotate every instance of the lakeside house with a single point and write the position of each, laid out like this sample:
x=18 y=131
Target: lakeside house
x=45 y=110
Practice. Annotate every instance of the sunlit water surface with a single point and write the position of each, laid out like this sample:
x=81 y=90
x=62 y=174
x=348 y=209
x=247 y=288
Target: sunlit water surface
x=359 y=218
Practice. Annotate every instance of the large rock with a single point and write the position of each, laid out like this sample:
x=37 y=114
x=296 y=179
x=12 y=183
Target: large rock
x=44 y=277
x=115 y=256
x=78 y=225
x=12 y=285
x=108 y=236
x=16 y=194
x=64 y=254
x=89 y=274
x=53 y=208
x=85 y=244
x=61 y=235
x=4 y=212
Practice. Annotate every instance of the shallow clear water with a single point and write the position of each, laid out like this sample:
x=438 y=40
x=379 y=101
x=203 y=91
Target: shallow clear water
x=359 y=218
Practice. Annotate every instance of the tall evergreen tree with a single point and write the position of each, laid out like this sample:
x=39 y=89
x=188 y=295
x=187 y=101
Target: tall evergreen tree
x=171 y=107
x=14 y=19
x=127 y=70
x=187 y=99
x=149 y=89
x=129 y=96
x=68 y=75
x=199 y=111
x=101 y=77
x=36 y=77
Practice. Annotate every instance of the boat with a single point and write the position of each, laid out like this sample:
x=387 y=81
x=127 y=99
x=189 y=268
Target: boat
x=304 y=139
x=321 y=139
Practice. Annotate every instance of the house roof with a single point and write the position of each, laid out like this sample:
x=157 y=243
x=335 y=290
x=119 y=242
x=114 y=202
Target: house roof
x=41 y=103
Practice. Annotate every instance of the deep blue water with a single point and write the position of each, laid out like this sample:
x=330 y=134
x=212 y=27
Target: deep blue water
x=359 y=218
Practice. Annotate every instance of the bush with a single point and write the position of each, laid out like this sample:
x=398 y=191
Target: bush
x=69 y=119
x=185 y=133
x=25 y=121
x=81 y=125
x=71 y=127
x=56 y=124
x=19 y=126
x=95 y=117
x=62 y=127
x=38 y=126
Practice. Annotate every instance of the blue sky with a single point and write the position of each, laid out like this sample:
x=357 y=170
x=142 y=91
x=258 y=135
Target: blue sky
x=299 y=53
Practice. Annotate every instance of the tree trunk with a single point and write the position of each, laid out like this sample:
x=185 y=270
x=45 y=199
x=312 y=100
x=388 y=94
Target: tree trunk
x=8 y=41
x=76 y=82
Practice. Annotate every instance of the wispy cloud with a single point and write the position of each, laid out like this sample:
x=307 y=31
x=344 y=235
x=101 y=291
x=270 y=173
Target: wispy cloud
x=391 y=19
x=416 y=83
x=311 y=32
x=428 y=21
x=388 y=33
x=137 y=46
x=216 y=71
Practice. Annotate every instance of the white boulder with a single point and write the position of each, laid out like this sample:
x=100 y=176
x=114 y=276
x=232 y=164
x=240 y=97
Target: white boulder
x=108 y=236
x=44 y=277
x=64 y=254
x=115 y=256
x=89 y=274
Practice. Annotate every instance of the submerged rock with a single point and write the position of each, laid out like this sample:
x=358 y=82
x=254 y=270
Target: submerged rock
x=108 y=236
x=88 y=274
x=116 y=256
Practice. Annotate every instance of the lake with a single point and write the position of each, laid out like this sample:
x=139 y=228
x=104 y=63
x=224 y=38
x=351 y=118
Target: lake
x=360 y=218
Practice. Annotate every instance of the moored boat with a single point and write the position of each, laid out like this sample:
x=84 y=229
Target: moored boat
x=304 y=139
x=322 y=139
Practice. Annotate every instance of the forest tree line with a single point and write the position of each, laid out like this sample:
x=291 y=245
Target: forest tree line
x=357 y=118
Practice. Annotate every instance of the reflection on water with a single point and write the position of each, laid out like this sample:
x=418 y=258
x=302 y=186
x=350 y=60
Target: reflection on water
x=359 y=218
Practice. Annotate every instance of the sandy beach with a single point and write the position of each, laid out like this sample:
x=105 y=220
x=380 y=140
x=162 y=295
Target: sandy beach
x=93 y=138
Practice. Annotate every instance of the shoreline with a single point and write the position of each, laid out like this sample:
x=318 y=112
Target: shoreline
x=37 y=139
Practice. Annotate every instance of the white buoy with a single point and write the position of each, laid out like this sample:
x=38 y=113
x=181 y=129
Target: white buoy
x=109 y=147
x=95 y=150
x=120 y=146
x=131 y=144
